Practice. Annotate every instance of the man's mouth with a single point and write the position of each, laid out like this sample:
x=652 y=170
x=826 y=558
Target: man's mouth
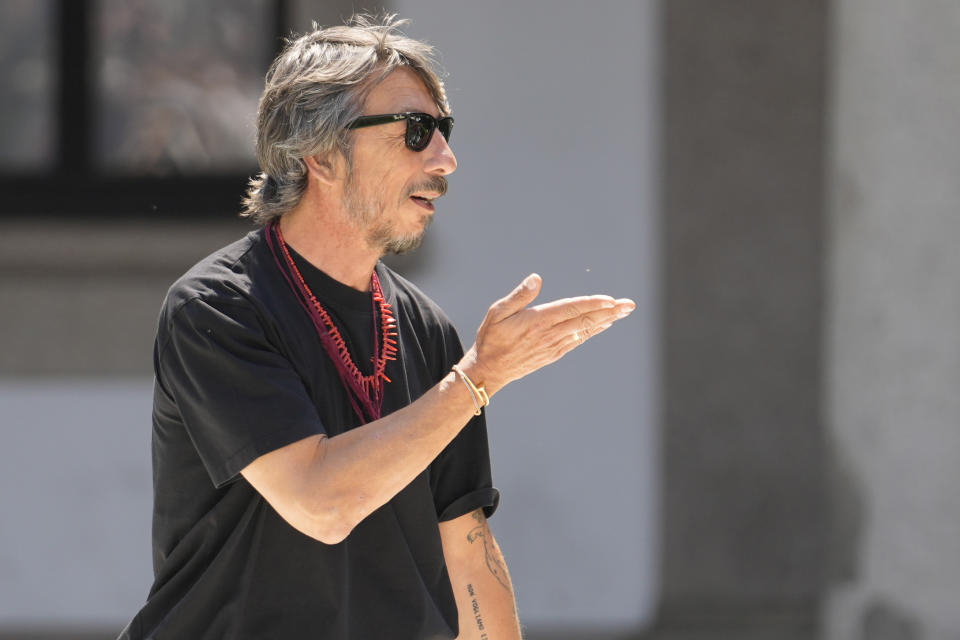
x=424 y=201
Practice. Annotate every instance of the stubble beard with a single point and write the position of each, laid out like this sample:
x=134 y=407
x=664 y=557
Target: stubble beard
x=367 y=212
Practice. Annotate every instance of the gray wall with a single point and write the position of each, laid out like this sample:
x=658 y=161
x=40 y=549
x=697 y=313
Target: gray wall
x=893 y=321
x=811 y=211
x=743 y=517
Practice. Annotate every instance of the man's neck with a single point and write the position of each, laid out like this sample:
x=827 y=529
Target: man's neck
x=330 y=243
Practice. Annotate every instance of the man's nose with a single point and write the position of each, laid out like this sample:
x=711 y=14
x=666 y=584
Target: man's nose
x=440 y=160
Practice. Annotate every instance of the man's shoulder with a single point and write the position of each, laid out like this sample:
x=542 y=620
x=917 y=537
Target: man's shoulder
x=225 y=273
x=234 y=276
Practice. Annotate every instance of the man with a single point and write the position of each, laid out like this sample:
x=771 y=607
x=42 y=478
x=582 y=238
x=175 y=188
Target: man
x=320 y=453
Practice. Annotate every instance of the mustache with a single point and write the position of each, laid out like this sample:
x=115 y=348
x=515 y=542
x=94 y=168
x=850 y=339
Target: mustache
x=436 y=184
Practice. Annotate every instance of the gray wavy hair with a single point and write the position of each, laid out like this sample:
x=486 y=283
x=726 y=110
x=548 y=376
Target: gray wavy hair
x=315 y=87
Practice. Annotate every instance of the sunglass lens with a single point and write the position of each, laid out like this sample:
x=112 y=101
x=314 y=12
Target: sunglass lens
x=418 y=133
x=446 y=127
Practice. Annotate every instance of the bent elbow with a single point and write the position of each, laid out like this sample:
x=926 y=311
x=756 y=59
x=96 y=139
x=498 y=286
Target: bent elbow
x=331 y=522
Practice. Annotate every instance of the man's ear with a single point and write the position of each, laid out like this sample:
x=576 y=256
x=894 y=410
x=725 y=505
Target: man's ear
x=325 y=168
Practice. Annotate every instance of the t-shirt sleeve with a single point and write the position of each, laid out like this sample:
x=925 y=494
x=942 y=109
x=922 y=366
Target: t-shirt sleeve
x=460 y=476
x=238 y=396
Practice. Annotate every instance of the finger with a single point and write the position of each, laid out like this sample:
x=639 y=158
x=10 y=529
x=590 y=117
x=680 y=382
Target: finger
x=582 y=335
x=517 y=299
x=571 y=308
x=584 y=324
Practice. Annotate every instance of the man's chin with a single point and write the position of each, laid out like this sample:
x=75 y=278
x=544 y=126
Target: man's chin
x=400 y=246
x=390 y=242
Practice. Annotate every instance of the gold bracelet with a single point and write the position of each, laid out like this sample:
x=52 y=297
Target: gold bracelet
x=478 y=393
x=478 y=390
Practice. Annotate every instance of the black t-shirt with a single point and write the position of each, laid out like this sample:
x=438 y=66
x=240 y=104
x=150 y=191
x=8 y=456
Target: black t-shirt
x=240 y=372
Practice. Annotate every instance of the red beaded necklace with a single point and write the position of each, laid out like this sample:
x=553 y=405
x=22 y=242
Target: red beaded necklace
x=365 y=391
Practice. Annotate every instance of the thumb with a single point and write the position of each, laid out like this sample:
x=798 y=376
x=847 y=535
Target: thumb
x=517 y=299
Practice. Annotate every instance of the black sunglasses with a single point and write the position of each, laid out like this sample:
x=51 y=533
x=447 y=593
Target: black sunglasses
x=420 y=127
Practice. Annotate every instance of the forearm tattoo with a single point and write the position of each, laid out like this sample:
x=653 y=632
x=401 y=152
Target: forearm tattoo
x=476 y=612
x=491 y=555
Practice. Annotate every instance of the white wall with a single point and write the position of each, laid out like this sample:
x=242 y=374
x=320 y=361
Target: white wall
x=76 y=495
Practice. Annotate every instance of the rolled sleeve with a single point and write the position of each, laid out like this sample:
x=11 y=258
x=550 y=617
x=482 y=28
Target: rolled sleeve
x=460 y=476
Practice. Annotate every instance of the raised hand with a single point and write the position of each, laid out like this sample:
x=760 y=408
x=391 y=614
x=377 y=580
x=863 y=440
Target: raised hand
x=515 y=340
